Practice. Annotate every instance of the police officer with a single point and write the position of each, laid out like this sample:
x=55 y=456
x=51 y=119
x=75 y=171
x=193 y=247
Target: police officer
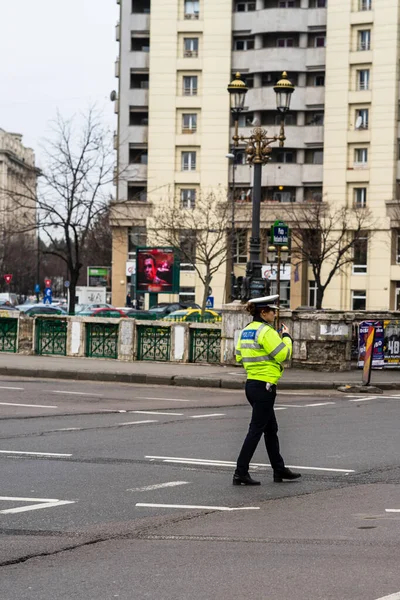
x=262 y=351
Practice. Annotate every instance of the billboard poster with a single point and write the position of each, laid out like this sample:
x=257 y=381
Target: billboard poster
x=391 y=346
x=378 y=357
x=99 y=277
x=157 y=271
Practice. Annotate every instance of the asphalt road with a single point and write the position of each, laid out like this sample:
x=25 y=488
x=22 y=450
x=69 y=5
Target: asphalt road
x=121 y=491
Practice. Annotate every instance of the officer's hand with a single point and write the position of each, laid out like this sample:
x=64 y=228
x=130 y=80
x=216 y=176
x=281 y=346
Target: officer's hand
x=284 y=329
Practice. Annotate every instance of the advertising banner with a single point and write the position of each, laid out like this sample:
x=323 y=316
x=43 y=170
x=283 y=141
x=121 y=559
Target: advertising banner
x=157 y=271
x=377 y=357
x=391 y=346
x=99 y=277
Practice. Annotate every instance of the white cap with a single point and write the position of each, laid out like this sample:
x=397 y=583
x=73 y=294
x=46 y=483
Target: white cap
x=265 y=301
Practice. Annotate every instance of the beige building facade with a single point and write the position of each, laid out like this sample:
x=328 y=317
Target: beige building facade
x=174 y=129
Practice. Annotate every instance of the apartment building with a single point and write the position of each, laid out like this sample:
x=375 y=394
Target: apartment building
x=176 y=58
x=18 y=179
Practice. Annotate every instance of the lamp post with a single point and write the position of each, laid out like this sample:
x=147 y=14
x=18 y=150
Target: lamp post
x=258 y=154
x=232 y=157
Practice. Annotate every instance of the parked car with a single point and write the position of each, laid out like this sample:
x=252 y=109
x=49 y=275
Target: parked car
x=106 y=313
x=163 y=309
x=85 y=307
x=142 y=315
x=194 y=315
x=9 y=298
x=40 y=309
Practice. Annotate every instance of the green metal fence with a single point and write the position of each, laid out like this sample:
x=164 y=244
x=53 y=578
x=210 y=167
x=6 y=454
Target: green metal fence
x=205 y=345
x=8 y=335
x=51 y=337
x=154 y=343
x=101 y=340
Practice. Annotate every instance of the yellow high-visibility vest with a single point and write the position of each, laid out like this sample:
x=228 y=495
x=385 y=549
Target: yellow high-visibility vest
x=262 y=351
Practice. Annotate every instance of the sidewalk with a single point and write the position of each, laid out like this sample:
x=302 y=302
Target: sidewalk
x=229 y=377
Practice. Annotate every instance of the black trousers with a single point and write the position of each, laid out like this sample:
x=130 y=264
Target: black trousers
x=263 y=421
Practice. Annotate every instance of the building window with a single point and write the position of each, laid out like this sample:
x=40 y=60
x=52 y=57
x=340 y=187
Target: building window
x=137 y=237
x=363 y=79
x=188 y=161
x=191 y=47
x=362 y=118
x=314 y=157
x=189 y=123
x=243 y=44
x=137 y=192
x=283 y=197
x=286 y=3
x=360 y=157
x=138 y=156
x=240 y=157
x=364 y=39
x=358 y=299
x=286 y=156
x=360 y=254
x=249 y=79
x=188 y=198
x=360 y=197
x=320 y=41
x=315 y=118
x=285 y=43
x=192 y=9
x=140 y=44
x=240 y=249
x=312 y=294
x=141 y=6
x=190 y=85
x=365 y=4
x=318 y=3
x=245 y=6
x=187 y=250
x=398 y=248
x=138 y=117
x=187 y=295
x=313 y=194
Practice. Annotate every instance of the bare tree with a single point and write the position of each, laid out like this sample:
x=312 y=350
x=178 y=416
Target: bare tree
x=74 y=191
x=202 y=234
x=328 y=239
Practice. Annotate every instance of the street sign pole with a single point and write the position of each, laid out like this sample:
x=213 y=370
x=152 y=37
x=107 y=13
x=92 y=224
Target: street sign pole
x=369 y=353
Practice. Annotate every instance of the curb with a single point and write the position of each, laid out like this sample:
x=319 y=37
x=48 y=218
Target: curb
x=174 y=380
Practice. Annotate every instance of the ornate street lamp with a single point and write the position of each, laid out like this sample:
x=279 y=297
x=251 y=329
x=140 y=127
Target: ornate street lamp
x=258 y=154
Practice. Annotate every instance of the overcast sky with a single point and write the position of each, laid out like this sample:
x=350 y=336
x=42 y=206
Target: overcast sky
x=55 y=54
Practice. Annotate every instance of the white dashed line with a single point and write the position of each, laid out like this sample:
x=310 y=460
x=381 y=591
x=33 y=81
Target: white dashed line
x=3 y=387
x=137 y=422
x=158 y=486
x=27 y=405
x=194 y=507
x=206 y=416
x=164 y=399
x=392 y=510
x=149 y=412
x=228 y=463
x=76 y=393
x=319 y=404
x=363 y=399
x=391 y=597
x=33 y=453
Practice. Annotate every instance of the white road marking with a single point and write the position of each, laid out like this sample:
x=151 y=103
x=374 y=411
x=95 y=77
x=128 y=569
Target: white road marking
x=4 y=387
x=392 y=510
x=364 y=399
x=205 y=416
x=32 y=453
x=75 y=393
x=158 y=486
x=27 y=405
x=224 y=463
x=137 y=422
x=281 y=408
x=165 y=399
x=43 y=503
x=149 y=412
x=194 y=507
x=391 y=597
x=320 y=404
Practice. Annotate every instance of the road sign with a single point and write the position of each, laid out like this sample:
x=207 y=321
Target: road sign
x=37 y=288
x=210 y=302
x=47 y=282
x=67 y=284
x=8 y=278
x=279 y=234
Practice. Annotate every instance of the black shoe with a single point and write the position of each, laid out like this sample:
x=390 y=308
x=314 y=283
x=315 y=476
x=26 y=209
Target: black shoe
x=279 y=476
x=244 y=480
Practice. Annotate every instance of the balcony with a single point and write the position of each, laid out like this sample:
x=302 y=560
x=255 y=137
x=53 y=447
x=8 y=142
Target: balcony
x=277 y=59
x=274 y=174
x=314 y=96
x=126 y=213
x=314 y=135
x=312 y=173
x=316 y=57
x=138 y=97
x=135 y=172
x=271 y=20
x=117 y=68
x=140 y=22
x=138 y=134
x=264 y=98
x=139 y=60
